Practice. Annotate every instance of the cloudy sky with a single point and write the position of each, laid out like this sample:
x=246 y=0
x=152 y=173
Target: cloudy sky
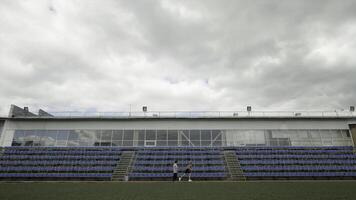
x=178 y=55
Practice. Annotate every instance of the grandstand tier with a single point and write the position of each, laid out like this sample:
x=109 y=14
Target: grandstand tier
x=155 y=163
x=56 y=163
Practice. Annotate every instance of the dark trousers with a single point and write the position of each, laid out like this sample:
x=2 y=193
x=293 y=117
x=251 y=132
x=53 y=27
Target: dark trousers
x=175 y=176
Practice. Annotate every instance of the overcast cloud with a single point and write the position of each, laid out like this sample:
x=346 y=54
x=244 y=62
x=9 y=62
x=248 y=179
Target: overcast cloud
x=178 y=55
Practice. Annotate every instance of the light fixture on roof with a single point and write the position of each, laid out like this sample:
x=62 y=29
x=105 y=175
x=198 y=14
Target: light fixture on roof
x=144 y=108
x=249 y=108
x=352 y=108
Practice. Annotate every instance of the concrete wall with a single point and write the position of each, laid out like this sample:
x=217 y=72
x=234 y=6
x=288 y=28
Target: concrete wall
x=180 y=124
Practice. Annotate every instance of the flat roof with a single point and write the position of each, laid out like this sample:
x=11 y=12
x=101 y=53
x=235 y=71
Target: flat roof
x=223 y=115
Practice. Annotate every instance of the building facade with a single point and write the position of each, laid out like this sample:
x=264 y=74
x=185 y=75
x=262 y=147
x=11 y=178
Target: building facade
x=23 y=128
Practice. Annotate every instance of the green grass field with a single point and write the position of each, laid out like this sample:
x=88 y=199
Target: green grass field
x=183 y=190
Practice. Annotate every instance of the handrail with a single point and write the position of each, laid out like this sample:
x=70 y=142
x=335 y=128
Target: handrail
x=200 y=114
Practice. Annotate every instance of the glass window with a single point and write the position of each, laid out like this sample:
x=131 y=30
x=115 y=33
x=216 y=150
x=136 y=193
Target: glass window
x=314 y=134
x=117 y=135
x=117 y=143
x=73 y=143
x=105 y=143
x=216 y=134
x=73 y=135
x=290 y=134
x=326 y=134
x=172 y=138
x=161 y=138
x=62 y=135
x=194 y=134
x=87 y=135
x=141 y=138
x=17 y=143
x=49 y=138
x=39 y=134
x=205 y=137
x=217 y=143
x=84 y=143
x=184 y=136
x=19 y=138
x=97 y=135
x=345 y=133
x=128 y=138
x=335 y=134
x=150 y=134
x=162 y=135
x=62 y=138
x=195 y=137
x=19 y=135
x=106 y=135
x=278 y=134
x=302 y=134
x=128 y=134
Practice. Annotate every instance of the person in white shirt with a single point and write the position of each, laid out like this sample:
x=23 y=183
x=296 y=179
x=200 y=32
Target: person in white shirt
x=175 y=170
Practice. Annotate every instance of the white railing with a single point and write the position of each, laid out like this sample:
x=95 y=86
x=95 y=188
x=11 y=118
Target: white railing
x=203 y=114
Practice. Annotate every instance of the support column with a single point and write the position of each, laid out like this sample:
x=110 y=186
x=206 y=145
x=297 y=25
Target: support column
x=353 y=133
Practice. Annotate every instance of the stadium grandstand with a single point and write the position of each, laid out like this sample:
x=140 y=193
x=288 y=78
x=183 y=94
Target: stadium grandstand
x=240 y=145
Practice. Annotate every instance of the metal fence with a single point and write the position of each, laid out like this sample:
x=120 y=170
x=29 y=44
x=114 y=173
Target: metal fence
x=204 y=114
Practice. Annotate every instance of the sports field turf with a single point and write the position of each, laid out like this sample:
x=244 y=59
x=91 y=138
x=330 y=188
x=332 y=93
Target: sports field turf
x=168 y=191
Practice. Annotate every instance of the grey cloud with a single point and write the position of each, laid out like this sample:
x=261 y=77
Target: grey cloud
x=178 y=55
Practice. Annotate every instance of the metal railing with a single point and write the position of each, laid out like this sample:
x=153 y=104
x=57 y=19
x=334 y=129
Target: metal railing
x=202 y=114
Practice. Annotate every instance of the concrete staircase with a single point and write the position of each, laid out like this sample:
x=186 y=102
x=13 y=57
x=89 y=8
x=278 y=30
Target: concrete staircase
x=234 y=166
x=123 y=166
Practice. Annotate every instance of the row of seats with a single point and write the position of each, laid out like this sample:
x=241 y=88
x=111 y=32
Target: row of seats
x=292 y=147
x=93 y=148
x=42 y=152
x=58 y=157
x=169 y=175
x=155 y=157
x=158 y=163
x=300 y=174
x=181 y=162
x=57 y=169
x=299 y=151
x=59 y=163
x=293 y=156
x=169 y=168
x=105 y=176
x=299 y=168
x=184 y=152
x=301 y=162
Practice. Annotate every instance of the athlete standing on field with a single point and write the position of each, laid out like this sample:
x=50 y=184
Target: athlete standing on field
x=188 y=171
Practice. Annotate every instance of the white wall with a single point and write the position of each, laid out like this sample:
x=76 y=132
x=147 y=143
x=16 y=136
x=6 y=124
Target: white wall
x=181 y=124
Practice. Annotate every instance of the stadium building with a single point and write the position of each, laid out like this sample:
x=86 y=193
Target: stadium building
x=241 y=145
